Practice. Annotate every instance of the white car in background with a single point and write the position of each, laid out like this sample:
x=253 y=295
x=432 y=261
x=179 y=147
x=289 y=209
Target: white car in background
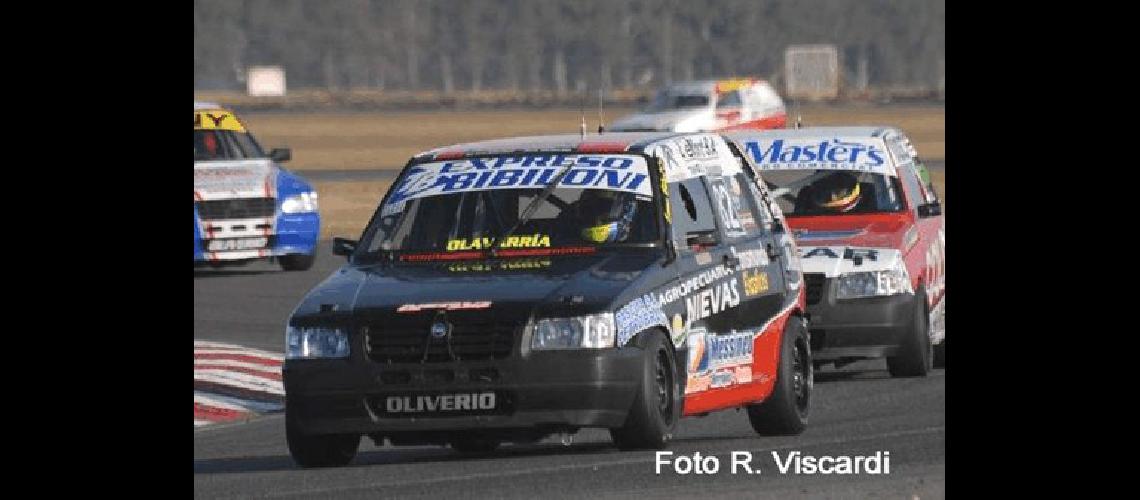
x=708 y=106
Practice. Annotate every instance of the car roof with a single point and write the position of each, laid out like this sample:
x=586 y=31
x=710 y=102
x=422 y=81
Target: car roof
x=853 y=131
x=201 y=105
x=719 y=84
x=610 y=142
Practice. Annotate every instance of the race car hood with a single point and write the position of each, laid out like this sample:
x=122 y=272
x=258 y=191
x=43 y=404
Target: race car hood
x=876 y=230
x=851 y=243
x=516 y=287
x=234 y=179
x=689 y=120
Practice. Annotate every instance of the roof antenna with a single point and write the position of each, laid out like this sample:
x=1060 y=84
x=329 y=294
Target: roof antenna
x=582 y=107
x=799 y=117
x=601 y=117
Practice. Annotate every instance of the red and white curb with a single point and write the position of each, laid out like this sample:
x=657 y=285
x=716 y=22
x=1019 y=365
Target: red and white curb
x=234 y=383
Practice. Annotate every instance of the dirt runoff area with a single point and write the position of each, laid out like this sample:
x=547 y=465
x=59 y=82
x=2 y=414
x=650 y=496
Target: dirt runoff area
x=385 y=140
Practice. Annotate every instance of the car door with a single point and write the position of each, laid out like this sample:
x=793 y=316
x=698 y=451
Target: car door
x=701 y=258
x=753 y=252
x=924 y=250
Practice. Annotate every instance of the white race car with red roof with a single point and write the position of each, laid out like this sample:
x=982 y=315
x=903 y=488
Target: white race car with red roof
x=871 y=239
x=709 y=105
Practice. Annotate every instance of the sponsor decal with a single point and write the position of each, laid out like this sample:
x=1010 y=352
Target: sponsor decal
x=529 y=241
x=444 y=402
x=447 y=306
x=755 y=282
x=478 y=254
x=217 y=120
x=679 y=331
x=393 y=208
x=222 y=245
x=697 y=147
x=638 y=315
x=501 y=265
x=804 y=234
x=711 y=301
x=801 y=154
x=848 y=253
x=910 y=238
x=718 y=360
x=703 y=258
x=611 y=172
x=751 y=259
x=731 y=84
x=214 y=179
x=664 y=189
x=728 y=206
x=701 y=280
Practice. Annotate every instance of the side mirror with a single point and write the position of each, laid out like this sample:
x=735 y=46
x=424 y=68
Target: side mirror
x=930 y=209
x=700 y=239
x=343 y=247
x=281 y=154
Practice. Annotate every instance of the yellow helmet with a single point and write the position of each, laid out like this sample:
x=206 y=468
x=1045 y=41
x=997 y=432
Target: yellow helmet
x=837 y=192
x=608 y=215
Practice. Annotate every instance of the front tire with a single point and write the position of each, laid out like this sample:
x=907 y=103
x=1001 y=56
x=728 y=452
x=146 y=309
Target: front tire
x=296 y=262
x=657 y=404
x=785 y=412
x=916 y=355
x=310 y=450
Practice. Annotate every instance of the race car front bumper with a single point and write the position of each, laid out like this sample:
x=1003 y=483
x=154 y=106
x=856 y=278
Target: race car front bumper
x=291 y=234
x=871 y=327
x=541 y=393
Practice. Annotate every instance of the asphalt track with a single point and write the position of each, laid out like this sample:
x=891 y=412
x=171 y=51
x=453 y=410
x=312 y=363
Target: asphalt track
x=390 y=174
x=857 y=410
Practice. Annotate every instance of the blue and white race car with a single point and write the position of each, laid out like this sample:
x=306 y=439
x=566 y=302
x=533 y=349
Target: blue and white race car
x=246 y=206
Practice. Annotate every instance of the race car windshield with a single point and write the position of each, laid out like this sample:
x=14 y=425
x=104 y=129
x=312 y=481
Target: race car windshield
x=218 y=145
x=666 y=101
x=431 y=212
x=831 y=192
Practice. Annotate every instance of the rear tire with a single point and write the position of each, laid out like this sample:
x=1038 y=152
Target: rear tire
x=916 y=355
x=310 y=450
x=475 y=445
x=940 y=355
x=785 y=412
x=657 y=403
x=296 y=262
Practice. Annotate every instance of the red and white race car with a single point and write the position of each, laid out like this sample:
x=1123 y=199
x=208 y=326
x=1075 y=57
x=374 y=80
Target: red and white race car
x=871 y=241
x=709 y=105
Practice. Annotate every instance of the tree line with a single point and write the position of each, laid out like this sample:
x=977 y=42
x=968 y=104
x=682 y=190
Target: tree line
x=562 y=45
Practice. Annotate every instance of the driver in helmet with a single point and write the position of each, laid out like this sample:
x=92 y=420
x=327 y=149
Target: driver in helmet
x=836 y=193
x=607 y=215
x=205 y=146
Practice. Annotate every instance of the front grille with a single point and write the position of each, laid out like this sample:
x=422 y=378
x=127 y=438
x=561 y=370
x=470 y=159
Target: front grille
x=239 y=208
x=814 y=282
x=405 y=339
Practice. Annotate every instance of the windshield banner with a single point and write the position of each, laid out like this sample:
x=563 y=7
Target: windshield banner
x=623 y=173
x=859 y=154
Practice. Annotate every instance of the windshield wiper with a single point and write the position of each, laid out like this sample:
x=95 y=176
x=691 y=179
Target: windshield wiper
x=528 y=212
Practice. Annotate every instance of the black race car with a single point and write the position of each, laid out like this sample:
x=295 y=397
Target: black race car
x=509 y=290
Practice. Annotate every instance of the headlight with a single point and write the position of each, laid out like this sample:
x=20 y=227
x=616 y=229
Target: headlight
x=304 y=202
x=594 y=331
x=315 y=342
x=874 y=283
